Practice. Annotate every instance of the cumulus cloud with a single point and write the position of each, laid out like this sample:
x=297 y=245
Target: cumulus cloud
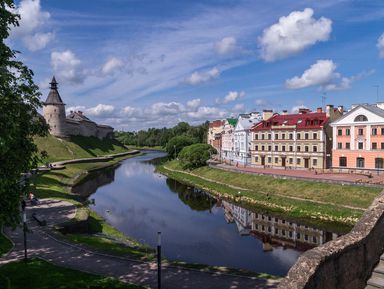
x=194 y=103
x=296 y=108
x=201 y=77
x=101 y=110
x=162 y=108
x=205 y=112
x=233 y=95
x=323 y=74
x=238 y=108
x=67 y=66
x=292 y=34
x=226 y=45
x=112 y=65
x=261 y=101
x=32 y=20
x=380 y=45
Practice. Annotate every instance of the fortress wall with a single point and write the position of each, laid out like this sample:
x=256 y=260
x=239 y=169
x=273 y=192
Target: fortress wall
x=104 y=132
x=344 y=263
x=54 y=115
x=88 y=128
x=72 y=127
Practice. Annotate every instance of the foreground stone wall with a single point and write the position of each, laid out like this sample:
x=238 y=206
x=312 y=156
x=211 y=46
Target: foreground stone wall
x=346 y=262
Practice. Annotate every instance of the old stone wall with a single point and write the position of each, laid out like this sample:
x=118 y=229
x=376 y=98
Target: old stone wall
x=72 y=127
x=346 y=262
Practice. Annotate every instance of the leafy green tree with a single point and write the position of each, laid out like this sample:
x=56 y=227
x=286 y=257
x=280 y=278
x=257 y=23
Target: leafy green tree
x=177 y=143
x=195 y=155
x=19 y=121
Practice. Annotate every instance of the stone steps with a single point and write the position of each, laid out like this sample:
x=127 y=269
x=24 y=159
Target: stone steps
x=377 y=279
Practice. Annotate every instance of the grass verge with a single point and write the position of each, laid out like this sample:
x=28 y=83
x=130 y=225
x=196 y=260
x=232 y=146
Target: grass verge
x=39 y=274
x=313 y=203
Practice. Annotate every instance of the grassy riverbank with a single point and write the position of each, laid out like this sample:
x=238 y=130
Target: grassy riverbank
x=39 y=274
x=312 y=202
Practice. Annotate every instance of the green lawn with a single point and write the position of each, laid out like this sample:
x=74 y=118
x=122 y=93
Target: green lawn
x=275 y=194
x=5 y=244
x=39 y=274
x=77 y=147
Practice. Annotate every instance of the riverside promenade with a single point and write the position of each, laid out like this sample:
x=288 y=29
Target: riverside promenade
x=43 y=243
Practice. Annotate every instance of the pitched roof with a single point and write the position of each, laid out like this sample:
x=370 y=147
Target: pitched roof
x=313 y=120
x=78 y=116
x=370 y=107
x=53 y=96
x=232 y=121
x=245 y=122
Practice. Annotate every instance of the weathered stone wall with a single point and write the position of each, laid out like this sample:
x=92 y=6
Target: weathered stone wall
x=104 y=132
x=88 y=128
x=346 y=262
x=72 y=127
x=54 y=115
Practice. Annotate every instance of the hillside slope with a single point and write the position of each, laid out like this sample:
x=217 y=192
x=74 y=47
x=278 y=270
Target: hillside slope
x=77 y=147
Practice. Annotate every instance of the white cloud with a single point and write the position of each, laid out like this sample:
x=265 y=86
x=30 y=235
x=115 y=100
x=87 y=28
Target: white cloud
x=75 y=108
x=200 y=77
x=323 y=74
x=238 y=108
x=162 y=108
x=296 y=108
x=205 y=112
x=233 y=95
x=292 y=34
x=226 y=45
x=32 y=20
x=112 y=65
x=261 y=101
x=67 y=66
x=380 y=45
x=194 y=103
x=101 y=110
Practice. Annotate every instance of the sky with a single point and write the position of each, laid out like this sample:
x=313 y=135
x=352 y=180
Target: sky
x=136 y=64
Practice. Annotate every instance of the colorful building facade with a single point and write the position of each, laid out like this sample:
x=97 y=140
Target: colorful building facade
x=228 y=141
x=358 y=139
x=215 y=129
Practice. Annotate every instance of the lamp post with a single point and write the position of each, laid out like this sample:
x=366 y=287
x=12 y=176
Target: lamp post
x=25 y=231
x=159 y=260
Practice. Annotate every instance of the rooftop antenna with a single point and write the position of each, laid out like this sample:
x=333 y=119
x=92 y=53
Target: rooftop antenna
x=377 y=92
x=323 y=99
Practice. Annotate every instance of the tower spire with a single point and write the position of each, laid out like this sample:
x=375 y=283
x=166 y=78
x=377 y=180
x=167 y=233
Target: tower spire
x=53 y=83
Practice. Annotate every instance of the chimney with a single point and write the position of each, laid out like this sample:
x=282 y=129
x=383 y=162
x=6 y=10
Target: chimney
x=80 y=112
x=329 y=110
x=340 y=108
x=319 y=110
x=267 y=113
x=284 y=112
x=303 y=110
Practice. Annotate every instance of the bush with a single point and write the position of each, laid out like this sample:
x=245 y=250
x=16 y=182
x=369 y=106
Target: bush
x=177 y=143
x=195 y=155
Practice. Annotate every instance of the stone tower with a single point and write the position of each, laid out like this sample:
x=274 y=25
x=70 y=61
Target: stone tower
x=54 y=111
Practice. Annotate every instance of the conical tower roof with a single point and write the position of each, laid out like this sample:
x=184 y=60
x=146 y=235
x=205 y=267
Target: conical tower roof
x=54 y=96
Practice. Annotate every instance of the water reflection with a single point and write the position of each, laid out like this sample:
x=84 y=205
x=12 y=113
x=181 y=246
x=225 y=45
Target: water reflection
x=197 y=227
x=93 y=181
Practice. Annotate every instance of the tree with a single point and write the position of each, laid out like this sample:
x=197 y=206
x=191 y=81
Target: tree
x=177 y=143
x=195 y=155
x=19 y=121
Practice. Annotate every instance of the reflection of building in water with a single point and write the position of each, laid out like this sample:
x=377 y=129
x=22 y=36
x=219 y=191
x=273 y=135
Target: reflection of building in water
x=275 y=231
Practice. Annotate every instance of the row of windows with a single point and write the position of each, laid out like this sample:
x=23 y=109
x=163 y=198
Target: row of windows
x=360 y=162
x=285 y=136
x=285 y=233
x=283 y=148
x=290 y=160
x=360 y=131
x=360 y=146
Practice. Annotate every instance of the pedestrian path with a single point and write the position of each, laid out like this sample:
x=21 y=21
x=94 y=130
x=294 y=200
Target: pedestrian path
x=43 y=244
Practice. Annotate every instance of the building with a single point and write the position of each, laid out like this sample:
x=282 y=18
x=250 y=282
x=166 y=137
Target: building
x=227 y=140
x=358 y=139
x=242 y=139
x=76 y=123
x=215 y=129
x=297 y=141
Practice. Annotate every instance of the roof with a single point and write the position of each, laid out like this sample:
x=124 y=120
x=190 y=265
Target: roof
x=216 y=123
x=313 y=120
x=77 y=116
x=370 y=107
x=232 y=121
x=245 y=122
x=53 y=96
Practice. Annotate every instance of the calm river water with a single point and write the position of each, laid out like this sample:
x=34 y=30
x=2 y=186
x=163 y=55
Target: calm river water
x=195 y=226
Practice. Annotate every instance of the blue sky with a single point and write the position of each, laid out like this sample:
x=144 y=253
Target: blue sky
x=137 y=64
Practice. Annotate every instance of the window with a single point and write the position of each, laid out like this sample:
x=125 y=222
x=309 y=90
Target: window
x=379 y=163
x=298 y=136
x=283 y=148
x=315 y=136
x=298 y=161
x=360 y=131
x=262 y=136
x=276 y=136
x=361 y=118
x=291 y=148
x=269 y=136
x=276 y=148
x=256 y=136
x=374 y=131
x=374 y=145
x=291 y=161
x=283 y=136
x=382 y=145
x=361 y=146
x=256 y=159
x=314 y=149
x=269 y=148
x=276 y=160
x=298 y=148
x=314 y=239
x=342 y=161
x=382 y=131
x=314 y=162
x=339 y=145
x=306 y=136
x=269 y=160
x=262 y=148
x=347 y=145
x=256 y=148
x=360 y=162
x=306 y=148
x=298 y=236
x=347 y=131
x=290 y=136
x=339 y=132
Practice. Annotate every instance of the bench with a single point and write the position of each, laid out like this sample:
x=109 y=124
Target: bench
x=40 y=221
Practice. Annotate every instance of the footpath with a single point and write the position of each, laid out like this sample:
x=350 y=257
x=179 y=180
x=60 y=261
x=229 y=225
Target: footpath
x=42 y=243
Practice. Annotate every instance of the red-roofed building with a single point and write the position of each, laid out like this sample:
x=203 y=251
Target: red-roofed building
x=215 y=129
x=297 y=141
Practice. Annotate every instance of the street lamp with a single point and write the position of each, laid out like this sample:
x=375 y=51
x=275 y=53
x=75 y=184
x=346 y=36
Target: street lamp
x=159 y=260
x=23 y=205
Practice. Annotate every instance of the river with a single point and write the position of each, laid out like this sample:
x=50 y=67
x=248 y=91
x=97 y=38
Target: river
x=195 y=227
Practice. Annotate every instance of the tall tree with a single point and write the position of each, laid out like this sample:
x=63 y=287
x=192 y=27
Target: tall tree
x=19 y=120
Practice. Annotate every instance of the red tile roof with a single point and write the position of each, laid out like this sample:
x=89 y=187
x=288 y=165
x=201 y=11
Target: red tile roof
x=216 y=123
x=311 y=120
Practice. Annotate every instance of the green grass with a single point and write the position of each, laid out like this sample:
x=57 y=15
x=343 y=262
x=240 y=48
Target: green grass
x=77 y=147
x=274 y=194
x=5 y=244
x=39 y=274
x=155 y=148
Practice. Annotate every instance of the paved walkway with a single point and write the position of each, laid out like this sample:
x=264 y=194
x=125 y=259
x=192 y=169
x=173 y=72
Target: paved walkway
x=376 y=180
x=41 y=243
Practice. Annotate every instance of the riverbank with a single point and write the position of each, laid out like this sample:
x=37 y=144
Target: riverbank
x=319 y=204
